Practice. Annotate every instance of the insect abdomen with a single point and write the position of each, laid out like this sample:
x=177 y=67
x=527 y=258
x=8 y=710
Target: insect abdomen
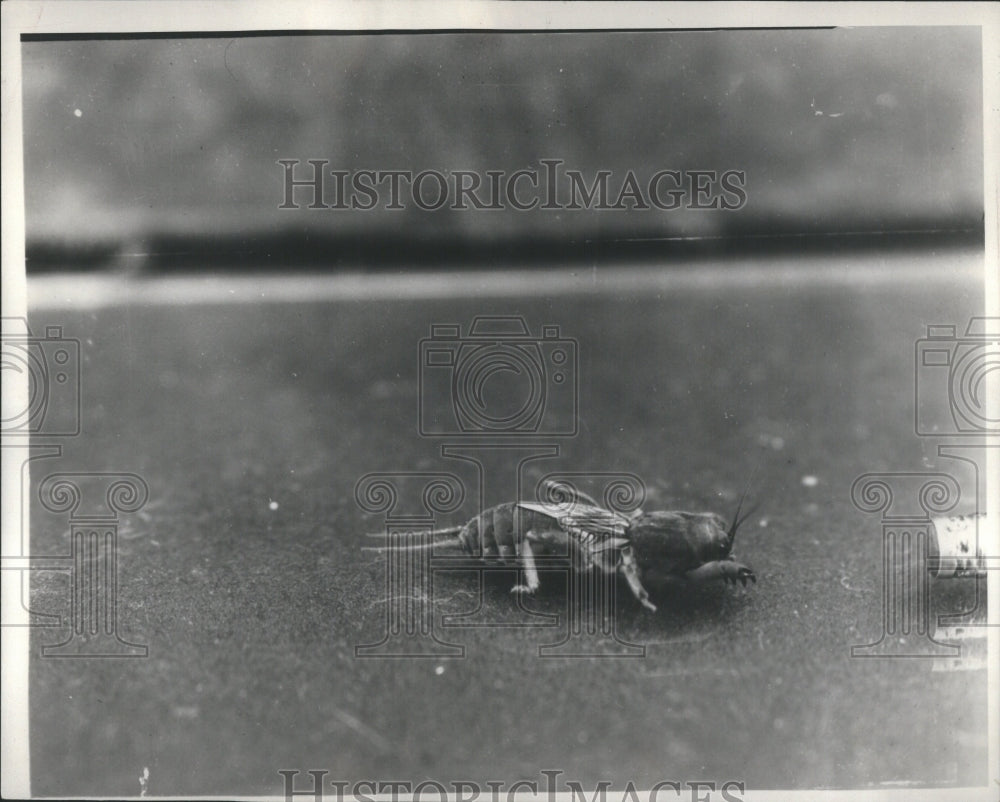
x=497 y=532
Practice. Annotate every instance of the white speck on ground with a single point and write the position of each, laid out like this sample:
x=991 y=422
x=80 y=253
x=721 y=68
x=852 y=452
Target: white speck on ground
x=771 y=441
x=273 y=505
x=810 y=481
x=439 y=670
x=77 y=113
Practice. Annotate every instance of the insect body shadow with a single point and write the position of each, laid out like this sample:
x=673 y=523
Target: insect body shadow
x=682 y=604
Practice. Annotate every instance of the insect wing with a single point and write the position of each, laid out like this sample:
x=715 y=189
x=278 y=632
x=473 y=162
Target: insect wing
x=584 y=517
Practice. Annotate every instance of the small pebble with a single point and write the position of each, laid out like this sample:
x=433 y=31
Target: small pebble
x=273 y=506
x=439 y=670
x=810 y=481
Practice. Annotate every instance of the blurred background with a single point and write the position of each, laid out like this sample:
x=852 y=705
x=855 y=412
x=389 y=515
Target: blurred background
x=168 y=148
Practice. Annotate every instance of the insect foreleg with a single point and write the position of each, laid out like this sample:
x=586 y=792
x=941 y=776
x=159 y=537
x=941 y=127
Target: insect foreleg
x=729 y=570
x=631 y=574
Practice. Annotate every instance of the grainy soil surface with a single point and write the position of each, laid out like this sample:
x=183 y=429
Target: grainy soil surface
x=244 y=573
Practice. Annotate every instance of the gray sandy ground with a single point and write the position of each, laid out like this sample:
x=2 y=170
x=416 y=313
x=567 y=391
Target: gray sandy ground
x=252 y=610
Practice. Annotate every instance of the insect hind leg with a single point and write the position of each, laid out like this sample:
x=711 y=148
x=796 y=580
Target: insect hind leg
x=531 y=581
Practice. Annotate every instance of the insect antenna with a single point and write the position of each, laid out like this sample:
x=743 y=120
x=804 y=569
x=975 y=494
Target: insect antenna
x=737 y=518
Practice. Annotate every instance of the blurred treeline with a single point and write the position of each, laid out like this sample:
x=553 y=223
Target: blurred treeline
x=837 y=130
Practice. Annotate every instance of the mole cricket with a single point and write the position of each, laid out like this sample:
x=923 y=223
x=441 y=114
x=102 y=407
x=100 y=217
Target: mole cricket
x=658 y=547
